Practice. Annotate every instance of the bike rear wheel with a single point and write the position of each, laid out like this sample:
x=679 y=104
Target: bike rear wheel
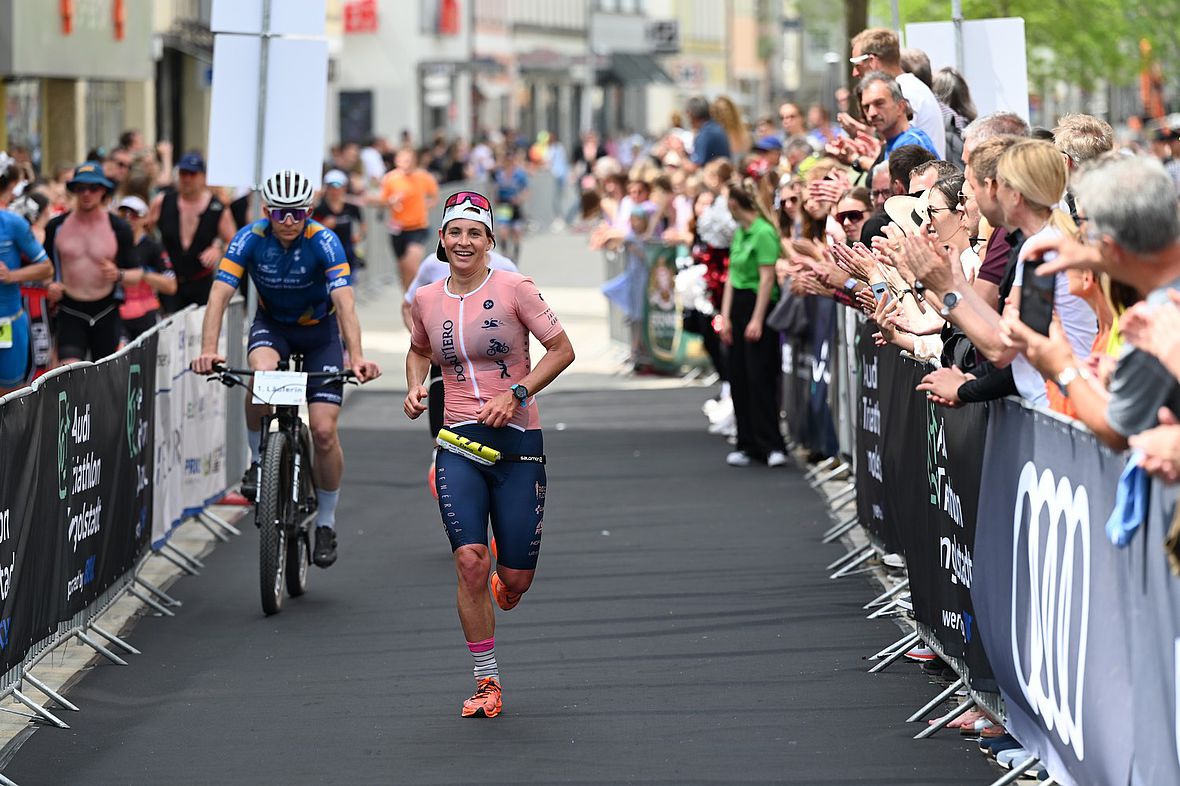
x=273 y=514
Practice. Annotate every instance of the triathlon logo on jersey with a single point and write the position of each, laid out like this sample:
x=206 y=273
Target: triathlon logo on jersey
x=488 y=324
x=498 y=347
x=503 y=370
x=488 y=305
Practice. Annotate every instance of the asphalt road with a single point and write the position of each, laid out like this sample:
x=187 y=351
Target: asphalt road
x=681 y=630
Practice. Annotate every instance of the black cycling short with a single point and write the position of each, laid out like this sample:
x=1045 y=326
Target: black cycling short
x=136 y=327
x=509 y=494
x=403 y=240
x=87 y=330
x=319 y=344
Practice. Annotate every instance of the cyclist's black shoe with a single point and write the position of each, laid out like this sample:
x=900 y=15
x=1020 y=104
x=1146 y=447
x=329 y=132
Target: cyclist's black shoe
x=325 y=547
x=249 y=486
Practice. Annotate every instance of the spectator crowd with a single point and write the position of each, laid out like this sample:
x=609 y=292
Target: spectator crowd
x=1040 y=263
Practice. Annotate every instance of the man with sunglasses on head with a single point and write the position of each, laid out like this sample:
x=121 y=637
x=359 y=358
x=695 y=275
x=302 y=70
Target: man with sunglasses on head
x=305 y=305
x=92 y=252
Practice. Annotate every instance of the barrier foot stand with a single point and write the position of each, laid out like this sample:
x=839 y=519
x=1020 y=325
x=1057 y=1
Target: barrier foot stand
x=40 y=711
x=863 y=558
x=1017 y=771
x=113 y=639
x=151 y=602
x=178 y=561
x=830 y=475
x=818 y=468
x=895 y=656
x=62 y=701
x=212 y=530
x=219 y=522
x=159 y=593
x=188 y=558
x=891 y=606
x=844 y=558
x=840 y=529
x=6 y=781
x=904 y=643
x=939 y=699
x=845 y=503
x=840 y=498
x=101 y=650
x=942 y=722
x=887 y=594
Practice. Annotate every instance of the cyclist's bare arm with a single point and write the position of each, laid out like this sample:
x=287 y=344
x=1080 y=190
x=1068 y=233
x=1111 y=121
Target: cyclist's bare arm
x=350 y=329
x=219 y=296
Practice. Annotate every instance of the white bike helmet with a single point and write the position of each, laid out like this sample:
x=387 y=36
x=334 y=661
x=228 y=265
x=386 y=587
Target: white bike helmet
x=287 y=188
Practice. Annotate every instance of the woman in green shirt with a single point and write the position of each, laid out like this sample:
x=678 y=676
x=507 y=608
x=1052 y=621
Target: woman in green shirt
x=755 y=355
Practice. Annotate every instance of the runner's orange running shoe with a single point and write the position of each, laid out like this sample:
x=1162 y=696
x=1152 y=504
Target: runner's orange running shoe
x=430 y=481
x=500 y=593
x=485 y=702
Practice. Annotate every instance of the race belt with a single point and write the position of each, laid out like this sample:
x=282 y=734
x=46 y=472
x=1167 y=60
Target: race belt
x=478 y=452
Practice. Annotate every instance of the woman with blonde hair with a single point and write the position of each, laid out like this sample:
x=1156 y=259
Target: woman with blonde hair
x=1031 y=179
x=726 y=113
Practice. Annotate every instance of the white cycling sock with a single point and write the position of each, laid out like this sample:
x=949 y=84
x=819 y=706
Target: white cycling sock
x=326 y=515
x=254 y=440
x=484 y=653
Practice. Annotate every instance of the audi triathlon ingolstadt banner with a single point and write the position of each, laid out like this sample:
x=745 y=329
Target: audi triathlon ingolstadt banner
x=1050 y=598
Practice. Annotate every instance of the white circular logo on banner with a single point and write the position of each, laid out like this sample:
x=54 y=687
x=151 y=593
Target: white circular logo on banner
x=1049 y=633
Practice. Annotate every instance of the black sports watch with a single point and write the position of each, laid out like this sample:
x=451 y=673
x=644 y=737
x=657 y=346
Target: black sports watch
x=521 y=393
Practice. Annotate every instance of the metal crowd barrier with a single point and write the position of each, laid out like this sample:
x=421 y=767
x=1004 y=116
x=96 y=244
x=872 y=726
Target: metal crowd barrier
x=83 y=626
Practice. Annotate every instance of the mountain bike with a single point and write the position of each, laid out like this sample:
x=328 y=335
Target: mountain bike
x=285 y=506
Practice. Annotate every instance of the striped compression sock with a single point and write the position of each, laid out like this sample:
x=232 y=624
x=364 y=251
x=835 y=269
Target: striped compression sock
x=484 y=653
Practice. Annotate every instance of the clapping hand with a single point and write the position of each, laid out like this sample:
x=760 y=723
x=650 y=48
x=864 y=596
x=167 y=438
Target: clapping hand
x=942 y=386
x=1155 y=330
x=1160 y=447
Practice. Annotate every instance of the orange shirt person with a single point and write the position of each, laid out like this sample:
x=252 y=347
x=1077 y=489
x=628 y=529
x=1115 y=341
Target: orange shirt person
x=409 y=193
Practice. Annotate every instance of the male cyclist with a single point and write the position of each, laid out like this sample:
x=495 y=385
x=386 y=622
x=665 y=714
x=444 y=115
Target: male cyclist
x=305 y=304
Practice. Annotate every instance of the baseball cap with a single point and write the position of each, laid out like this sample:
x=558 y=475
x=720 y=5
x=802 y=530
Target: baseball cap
x=769 y=142
x=335 y=178
x=90 y=174
x=465 y=204
x=133 y=202
x=191 y=161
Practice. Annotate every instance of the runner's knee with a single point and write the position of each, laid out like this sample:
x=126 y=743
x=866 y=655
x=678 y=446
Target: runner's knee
x=517 y=582
x=473 y=566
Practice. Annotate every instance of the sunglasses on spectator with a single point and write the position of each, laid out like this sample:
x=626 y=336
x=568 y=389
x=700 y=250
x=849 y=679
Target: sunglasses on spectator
x=288 y=215
x=962 y=199
x=82 y=188
x=850 y=215
x=861 y=58
x=875 y=195
x=935 y=210
x=479 y=200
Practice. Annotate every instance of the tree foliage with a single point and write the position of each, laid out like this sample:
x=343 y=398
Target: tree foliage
x=1076 y=40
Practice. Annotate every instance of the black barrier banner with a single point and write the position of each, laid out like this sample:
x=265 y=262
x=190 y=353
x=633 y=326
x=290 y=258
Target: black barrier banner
x=1051 y=598
x=27 y=539
x=923 y=502
x=870 y=472
x=97 y=427
x=821 y=433
x=796 y=389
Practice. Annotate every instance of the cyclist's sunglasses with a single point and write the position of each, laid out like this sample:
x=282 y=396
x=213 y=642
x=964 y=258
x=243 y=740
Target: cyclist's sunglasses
x=478 y=200
x=288 y=215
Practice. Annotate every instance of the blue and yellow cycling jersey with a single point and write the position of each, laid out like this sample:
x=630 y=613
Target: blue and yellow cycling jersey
x=294 y=283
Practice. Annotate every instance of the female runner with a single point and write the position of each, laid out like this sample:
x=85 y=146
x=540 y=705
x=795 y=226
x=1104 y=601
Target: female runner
x=475 y=325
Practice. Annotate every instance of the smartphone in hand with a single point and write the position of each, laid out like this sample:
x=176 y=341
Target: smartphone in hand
x=880 y=290
x=1036 y=296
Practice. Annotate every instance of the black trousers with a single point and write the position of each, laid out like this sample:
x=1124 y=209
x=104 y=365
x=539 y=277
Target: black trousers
x=755 y=381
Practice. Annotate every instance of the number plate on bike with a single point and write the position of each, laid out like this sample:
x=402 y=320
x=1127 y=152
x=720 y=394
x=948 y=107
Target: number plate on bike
x=280 y=388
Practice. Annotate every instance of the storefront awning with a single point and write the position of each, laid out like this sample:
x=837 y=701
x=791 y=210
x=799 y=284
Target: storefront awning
x=633 y=69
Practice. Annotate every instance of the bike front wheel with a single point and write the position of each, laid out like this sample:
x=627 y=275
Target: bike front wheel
x=273 y=514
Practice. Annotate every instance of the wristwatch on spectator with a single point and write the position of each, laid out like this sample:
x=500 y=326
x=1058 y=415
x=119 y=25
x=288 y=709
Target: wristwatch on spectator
x=850 y=284
x=949 y=301
x=1067 y=376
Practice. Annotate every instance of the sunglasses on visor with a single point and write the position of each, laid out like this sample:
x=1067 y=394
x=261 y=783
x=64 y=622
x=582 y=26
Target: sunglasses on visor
x=479 y=200
x=288 y=215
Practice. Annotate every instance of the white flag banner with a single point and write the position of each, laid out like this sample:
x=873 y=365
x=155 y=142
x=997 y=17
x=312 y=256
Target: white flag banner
x=190 y=427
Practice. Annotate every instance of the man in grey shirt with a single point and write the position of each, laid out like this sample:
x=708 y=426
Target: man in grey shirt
x=1131 y=231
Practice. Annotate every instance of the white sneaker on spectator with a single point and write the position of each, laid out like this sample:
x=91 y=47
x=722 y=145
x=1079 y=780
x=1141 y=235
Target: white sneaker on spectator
x=893 y=561
x=727 y=426
x=721 y=411
x=920 y=653
x=776 y=458
x=738 y=458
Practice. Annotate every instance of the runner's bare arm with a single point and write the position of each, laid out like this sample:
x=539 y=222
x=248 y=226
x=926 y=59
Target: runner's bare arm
x=417 y=367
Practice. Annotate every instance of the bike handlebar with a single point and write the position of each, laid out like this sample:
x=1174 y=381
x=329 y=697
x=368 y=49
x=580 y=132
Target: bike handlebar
x=233 y=376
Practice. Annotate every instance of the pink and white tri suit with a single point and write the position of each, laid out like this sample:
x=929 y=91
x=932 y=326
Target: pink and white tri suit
x=481 y=341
